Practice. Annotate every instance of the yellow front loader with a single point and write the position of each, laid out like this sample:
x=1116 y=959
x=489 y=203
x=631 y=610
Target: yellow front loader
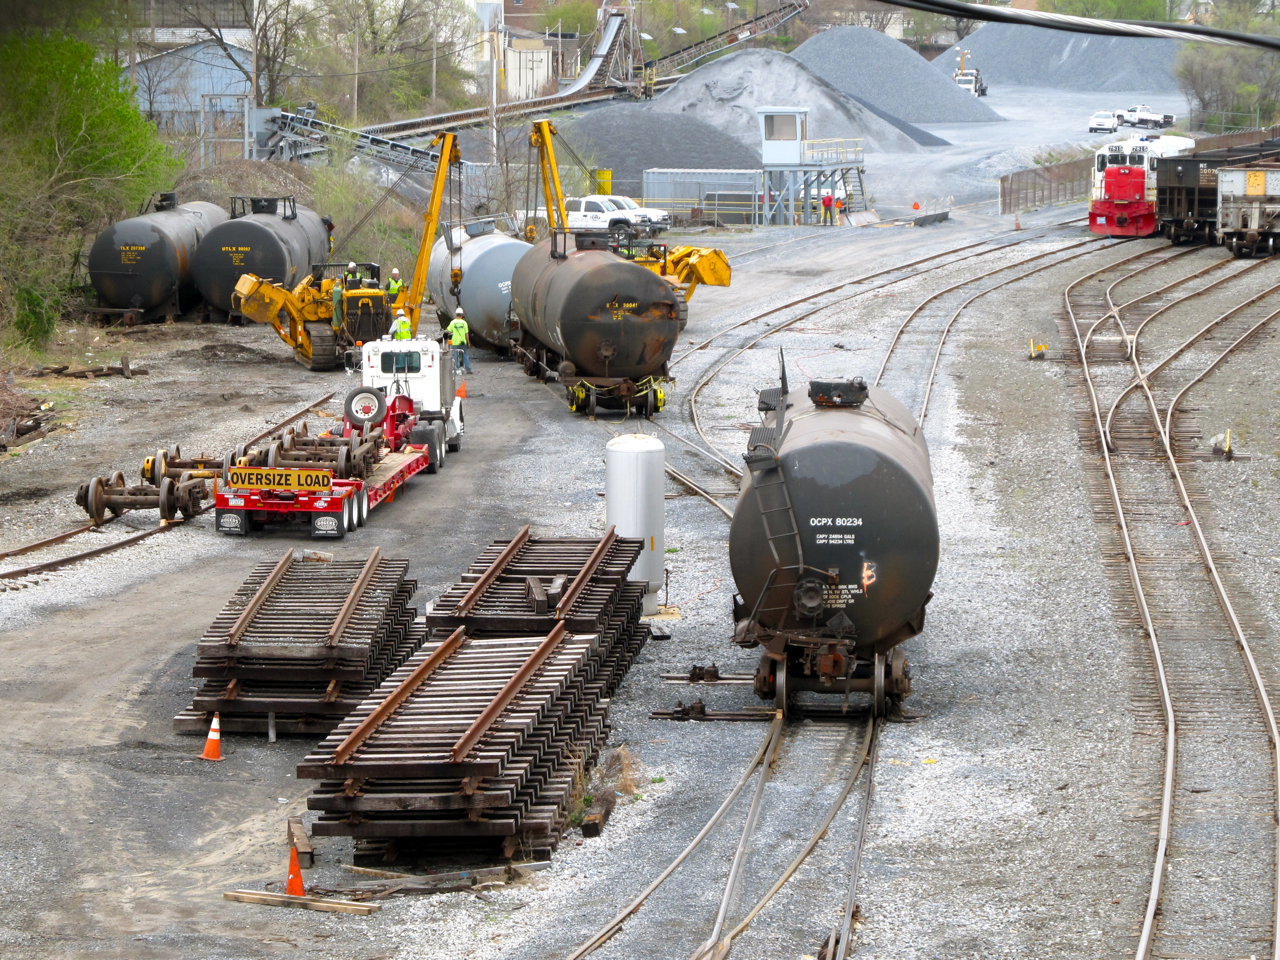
x=322 y=317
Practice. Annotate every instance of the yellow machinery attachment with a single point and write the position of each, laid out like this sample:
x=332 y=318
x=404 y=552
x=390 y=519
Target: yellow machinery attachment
x=410 y=298
x=549 y=170
x=302 y=317
x=687 y=267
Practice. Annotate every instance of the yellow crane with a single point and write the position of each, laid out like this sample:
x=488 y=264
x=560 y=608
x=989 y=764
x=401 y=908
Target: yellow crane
x=324 y=315
x=683 y=267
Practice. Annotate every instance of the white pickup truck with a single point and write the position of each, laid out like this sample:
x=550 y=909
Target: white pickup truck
x=1143 y=116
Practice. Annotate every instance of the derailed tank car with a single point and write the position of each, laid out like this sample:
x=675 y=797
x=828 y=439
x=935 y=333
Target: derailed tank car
x=486 y=259
x=141 y=268
x=604 y=325
x=834 y=543
x=274 y=238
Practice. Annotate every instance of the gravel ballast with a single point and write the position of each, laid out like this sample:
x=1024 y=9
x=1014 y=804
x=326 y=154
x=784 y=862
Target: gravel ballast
x=726 y=93
x=631 y=138
x=1035 y=57
x=877 y=69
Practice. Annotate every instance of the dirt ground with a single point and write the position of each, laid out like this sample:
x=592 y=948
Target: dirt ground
x=1013 y=821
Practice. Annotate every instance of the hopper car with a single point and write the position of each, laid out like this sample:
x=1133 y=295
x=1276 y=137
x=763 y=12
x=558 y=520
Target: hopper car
x=1249 y=208
x=1122 y=200
x=142 y=268
x=834 y=543
x=1187 y=188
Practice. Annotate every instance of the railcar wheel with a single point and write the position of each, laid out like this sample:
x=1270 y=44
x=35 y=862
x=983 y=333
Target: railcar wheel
x=159 y=463
x=591 y=402
x=877 y=674
x=168 y=500
x=780 y=686
x=94 y=502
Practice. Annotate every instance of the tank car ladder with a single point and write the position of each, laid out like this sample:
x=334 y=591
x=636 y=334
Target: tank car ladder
x=773 y=498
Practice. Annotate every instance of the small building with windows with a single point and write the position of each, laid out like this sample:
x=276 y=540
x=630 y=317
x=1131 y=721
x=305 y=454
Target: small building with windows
x=783 y=131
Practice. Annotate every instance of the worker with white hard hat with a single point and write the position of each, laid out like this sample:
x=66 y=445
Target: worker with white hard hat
x=394 y=286
x=351 y=278
x=401 y=329
x=459 y=339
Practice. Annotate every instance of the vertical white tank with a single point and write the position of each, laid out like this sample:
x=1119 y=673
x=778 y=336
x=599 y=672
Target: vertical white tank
x=635 y=503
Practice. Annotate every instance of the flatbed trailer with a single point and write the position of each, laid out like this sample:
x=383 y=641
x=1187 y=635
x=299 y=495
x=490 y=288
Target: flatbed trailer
x=255 y=496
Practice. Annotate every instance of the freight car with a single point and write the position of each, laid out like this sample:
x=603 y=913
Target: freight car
x=1187 y=188
x=141 y=268
x=834 y=543
x=603 y=325
x=1118 y=206
x=1249 y=208
x=486 y=258
x=274 y=238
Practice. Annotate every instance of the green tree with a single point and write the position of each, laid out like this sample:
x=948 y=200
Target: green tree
x=574 y=16
x=1114 y=9
x=1230 y=86
x=75 y=151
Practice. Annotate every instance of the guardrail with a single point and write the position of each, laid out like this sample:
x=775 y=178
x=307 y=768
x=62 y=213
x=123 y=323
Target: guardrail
x=833 y=151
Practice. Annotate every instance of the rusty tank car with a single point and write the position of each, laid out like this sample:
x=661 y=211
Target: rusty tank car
x=834 y=542
x=603 y=325
x=141 y=268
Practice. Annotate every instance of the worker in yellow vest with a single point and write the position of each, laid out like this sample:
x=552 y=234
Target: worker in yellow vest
x=459 y=339
x=401 y=329
x=394 y=286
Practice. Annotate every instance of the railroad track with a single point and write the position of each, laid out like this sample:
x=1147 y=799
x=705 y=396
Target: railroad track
x=849 y=754
x=24 y=573
x=725 y=929
x=1215 y=882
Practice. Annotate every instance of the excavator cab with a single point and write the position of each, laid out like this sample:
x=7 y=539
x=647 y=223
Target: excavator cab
x=359 y=303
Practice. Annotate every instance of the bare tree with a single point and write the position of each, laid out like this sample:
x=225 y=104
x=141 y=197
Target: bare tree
x=874 y=14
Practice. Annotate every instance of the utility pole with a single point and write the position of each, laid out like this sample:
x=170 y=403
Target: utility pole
x=253 y=17
x=355 y=78
x=133 y=52
x=433 y=65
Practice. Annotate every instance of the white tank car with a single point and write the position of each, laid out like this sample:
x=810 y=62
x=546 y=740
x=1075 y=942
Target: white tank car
x=487 y=259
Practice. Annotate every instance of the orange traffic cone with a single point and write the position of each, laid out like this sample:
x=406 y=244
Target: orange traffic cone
x=213 y=745
x=462 y=390
x=293 y=886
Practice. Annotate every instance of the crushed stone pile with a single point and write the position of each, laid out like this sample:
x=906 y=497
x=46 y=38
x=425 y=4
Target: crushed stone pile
x=631 y=138
x=879 y=70
x=1035 y=57
x=726 y=92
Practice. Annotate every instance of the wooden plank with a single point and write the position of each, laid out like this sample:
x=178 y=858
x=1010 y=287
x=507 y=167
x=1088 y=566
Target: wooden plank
x=304 y=903
x=299 y=840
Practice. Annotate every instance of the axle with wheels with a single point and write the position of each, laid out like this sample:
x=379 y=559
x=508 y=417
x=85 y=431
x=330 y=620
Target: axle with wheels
x=102 y=495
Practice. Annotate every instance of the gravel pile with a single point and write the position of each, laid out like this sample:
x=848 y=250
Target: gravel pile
x=1036 y=57
x=876 y=69
x=726 y=92
x=631 y=138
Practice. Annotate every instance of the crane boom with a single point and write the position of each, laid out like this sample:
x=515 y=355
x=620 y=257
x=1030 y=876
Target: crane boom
x=410 y=300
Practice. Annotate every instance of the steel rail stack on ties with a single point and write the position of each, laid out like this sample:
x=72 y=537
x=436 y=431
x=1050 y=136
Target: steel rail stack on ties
x=476 y=741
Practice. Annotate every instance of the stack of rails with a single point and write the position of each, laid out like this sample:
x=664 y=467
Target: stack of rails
x=474 y=745
x=305 y=641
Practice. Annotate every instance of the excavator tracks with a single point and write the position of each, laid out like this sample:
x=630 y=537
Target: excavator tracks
x=324 y=348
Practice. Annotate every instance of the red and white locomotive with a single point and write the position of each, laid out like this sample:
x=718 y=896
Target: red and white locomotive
x=1122 y=202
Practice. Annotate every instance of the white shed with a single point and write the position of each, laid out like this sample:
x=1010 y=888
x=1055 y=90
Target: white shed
x=783 y=131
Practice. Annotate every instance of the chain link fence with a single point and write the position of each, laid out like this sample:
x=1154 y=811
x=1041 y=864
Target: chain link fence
x=1070 y=181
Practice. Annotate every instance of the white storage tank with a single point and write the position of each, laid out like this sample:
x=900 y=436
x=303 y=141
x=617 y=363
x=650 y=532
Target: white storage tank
x=487 y=259
x=635 y=503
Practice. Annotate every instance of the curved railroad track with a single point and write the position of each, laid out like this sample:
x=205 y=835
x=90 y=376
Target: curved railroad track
x=48 y=566
x=1215 y=876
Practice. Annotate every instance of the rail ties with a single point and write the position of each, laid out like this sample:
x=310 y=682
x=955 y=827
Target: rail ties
x=305 y=641
x=476 y=740
x=1214 y=882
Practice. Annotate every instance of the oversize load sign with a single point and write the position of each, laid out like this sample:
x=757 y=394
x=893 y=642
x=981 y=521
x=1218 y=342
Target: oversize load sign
x=258 y=478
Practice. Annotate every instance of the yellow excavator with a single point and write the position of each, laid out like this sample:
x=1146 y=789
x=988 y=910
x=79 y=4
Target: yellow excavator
x=325 y=315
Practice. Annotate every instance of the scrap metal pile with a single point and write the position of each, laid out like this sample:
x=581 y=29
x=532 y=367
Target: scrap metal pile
x=478 y=741
x=302 y=643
